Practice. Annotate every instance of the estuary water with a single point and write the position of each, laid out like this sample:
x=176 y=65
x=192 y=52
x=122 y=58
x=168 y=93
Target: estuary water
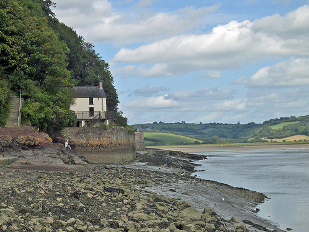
x=283 y=175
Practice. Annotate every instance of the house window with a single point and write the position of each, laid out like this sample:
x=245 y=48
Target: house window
x=91 y=101
x=91 y=111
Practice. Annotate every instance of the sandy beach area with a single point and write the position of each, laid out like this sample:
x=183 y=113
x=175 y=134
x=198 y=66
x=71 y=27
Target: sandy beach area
x=212 y=148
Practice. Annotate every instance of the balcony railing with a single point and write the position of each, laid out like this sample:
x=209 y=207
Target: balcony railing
x=94 y=115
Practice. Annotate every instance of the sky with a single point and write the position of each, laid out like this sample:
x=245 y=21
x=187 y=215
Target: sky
x=200 y=61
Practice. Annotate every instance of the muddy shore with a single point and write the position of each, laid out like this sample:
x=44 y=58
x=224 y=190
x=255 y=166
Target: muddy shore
x=156 y=192
x=212 y=148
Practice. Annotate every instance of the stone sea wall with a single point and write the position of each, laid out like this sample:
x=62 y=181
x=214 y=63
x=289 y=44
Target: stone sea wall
x=111 y=145
x=139 y=141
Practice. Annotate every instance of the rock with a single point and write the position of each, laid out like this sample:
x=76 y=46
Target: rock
x=189 y=227
x=140 y=216
x=234 y=220
x=132 y=230
x=139 y=206
x=182 y=205
x=8 y=212
x=172 y=227
x=81 y=227
x=191 y=213
x=210 y=227
x=49 y=219
x=70 y=228
x=71 y=221
x=240 y=227
x=160 y=198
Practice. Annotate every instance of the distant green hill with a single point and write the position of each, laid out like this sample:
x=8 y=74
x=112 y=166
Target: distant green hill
x=159 y=138
x=214 y=133
x=281 y=125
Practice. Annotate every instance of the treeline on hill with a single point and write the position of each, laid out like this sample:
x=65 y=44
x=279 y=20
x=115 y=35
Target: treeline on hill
x=44 y=59
x=215 y=133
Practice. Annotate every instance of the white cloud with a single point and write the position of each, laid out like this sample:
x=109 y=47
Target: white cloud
x=227 y=46
x=151 y=104
x=223 y=41
x=154 y=71
x=97 y=21
x=125 y=72
x=214 y=74
x=189 y=100
x=293 y=72
x=84 y=14
x=292 y=26
x=231 y=105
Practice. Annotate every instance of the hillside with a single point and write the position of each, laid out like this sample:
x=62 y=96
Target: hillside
x=157 y=138
x=212 y=133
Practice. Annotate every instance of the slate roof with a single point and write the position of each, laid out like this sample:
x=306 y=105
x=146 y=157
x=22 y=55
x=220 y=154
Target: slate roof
x=88 y=91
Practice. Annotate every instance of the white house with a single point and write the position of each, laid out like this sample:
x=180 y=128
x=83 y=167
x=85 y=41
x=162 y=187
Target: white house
x=90 y=105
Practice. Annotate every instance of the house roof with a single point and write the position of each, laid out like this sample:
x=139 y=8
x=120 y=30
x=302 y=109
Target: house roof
x=88 y=91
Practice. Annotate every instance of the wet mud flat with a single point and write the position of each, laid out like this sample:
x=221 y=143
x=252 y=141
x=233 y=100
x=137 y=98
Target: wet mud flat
x=156 y=192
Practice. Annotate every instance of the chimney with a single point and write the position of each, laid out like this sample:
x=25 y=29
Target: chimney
x=101 y=85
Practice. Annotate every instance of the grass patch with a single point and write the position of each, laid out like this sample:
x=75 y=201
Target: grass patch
x=167 y=139
x=291 y=139
x=281 y=125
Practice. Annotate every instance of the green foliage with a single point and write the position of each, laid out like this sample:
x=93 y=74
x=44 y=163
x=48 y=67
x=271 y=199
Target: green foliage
x=120 y=120
x=45 y=59
x=205 y=131
x=131 y=130
x=33 y=60
x=283 y=124
x=4 y=101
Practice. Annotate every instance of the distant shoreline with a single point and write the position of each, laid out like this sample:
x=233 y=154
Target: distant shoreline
x=212 y=148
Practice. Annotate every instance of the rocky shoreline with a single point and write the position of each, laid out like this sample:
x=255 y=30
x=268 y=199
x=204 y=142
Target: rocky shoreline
x=156 y=192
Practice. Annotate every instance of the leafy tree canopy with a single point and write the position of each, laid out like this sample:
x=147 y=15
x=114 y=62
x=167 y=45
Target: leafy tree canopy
x=44 y=59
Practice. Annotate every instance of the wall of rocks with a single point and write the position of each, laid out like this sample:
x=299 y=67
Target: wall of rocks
x=23 y=138
x=98 y=145
x=139 y=141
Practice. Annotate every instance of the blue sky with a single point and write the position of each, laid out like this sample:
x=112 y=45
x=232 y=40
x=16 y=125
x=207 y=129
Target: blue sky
x=200 y=61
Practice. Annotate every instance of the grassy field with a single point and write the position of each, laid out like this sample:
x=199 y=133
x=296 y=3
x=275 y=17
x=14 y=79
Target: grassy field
x=291 y=139
x=158 y=138
x=281 y=125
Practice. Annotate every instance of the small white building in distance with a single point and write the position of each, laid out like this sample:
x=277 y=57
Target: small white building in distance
x=90 y=105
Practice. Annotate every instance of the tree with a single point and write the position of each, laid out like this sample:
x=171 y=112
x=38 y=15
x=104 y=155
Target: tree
x=33 y=60
x=4 y=101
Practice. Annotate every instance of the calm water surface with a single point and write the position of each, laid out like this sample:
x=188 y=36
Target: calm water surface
x=283 y=175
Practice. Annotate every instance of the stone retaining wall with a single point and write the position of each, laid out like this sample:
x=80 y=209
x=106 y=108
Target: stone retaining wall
x=97 y=145
x=139 y=141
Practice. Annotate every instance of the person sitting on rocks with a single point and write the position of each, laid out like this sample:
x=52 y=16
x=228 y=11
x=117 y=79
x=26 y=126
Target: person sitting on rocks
x=66 y=144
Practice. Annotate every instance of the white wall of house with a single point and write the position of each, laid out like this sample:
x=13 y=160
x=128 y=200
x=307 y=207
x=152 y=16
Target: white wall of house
x=82 y=104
